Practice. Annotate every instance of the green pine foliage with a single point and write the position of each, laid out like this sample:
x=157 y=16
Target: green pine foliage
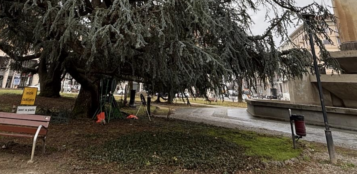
x=175 y=44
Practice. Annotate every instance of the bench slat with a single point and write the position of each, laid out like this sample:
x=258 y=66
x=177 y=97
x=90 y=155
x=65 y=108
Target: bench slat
x=24 y=116
x=23 y=122
x=19 y=135
x=17 y=129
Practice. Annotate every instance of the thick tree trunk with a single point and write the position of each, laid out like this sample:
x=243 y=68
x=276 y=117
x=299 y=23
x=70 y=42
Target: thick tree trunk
x=158 y=98
x=50 y=87
x=86 y=103
x=188 y=101
x=125 y=95
x=240 y=89
x=132 y=94
x=132 y=98
x=50 y=78
x=171 y=97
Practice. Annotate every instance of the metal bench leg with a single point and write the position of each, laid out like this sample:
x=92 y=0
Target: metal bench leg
x=34 y=144
x=44 y=145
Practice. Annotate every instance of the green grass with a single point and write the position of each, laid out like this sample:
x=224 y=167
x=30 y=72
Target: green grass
x=191 y=151
x=347 y=165
x=264 y=146
x=142 y=111
x=267 y=147
x=218 y=103
x=19 y=92
x=70 y=95
x=11 y=91
x=194 y=146
x=147 y=149
x=160 y=111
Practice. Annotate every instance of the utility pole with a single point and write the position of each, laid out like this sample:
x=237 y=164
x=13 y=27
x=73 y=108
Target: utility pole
x=328 y=133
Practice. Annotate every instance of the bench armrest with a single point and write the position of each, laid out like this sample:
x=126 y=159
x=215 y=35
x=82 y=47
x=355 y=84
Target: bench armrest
x=44 y=127
x=39 y=129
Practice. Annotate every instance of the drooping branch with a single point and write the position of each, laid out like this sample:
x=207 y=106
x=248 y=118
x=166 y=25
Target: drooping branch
x=8 y=50
x=275 y=23
x=22 y=58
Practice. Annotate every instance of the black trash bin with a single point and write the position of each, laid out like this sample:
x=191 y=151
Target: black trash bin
x=299 y=124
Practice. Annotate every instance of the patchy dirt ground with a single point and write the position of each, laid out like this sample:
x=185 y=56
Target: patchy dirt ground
x=64 y=103
x=66 y=144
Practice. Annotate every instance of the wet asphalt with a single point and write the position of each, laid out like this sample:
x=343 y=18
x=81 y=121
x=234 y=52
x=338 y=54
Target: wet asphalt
x=241 y=119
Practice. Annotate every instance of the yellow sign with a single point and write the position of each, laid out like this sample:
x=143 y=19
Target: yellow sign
x=29 y=96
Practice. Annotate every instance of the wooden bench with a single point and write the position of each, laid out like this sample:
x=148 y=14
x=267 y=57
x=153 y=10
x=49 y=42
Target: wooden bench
x=28 y=126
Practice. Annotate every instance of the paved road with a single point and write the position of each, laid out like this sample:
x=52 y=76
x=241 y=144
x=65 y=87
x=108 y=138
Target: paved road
x=240 y=118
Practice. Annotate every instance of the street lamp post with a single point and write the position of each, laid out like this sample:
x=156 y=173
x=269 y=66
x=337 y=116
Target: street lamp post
x=328 y=133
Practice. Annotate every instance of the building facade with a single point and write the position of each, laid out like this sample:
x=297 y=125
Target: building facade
x=299 y=39
x=14 y=79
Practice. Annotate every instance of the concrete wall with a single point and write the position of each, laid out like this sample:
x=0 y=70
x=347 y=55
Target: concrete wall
x=302 y=91
x=345 y=10
x=342 y=88
x=347 y=60
x=343 y=118
x=339 y=90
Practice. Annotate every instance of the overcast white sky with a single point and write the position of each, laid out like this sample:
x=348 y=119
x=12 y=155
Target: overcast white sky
x=261 y=25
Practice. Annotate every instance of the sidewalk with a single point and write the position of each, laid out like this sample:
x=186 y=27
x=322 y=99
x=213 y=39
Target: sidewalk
x=241 y=119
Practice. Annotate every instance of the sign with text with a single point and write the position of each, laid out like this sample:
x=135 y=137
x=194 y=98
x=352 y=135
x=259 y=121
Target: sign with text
x=29 y=96
x=26 y=110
